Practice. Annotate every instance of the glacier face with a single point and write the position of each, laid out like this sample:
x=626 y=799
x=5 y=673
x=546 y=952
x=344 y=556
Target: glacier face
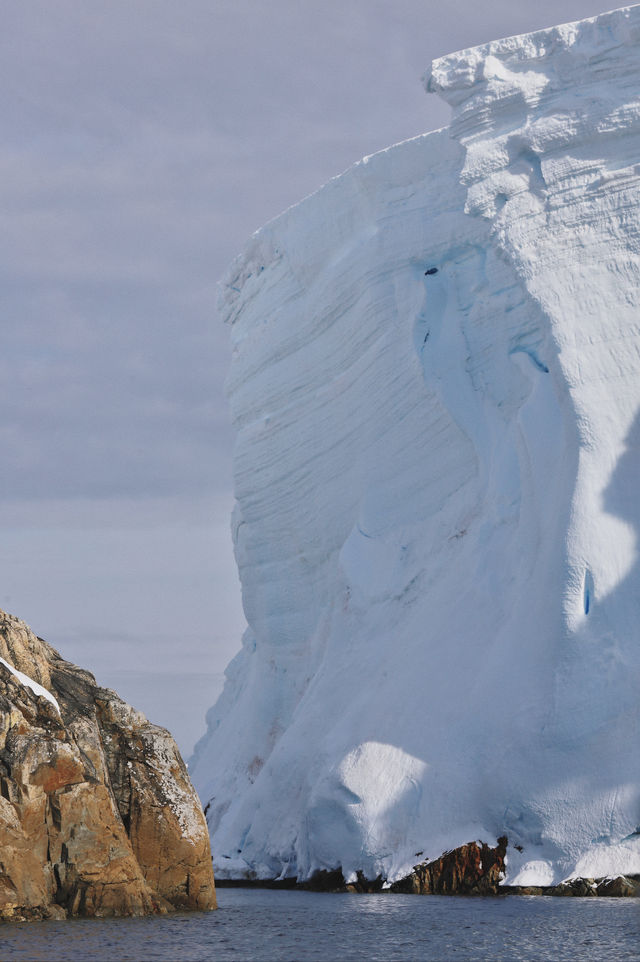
x=435 y=384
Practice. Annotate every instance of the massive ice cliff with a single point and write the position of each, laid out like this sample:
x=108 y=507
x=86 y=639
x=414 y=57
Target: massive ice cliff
x=436 y=389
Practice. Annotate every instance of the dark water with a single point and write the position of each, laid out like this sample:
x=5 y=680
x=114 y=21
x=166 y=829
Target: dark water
x=268 y=926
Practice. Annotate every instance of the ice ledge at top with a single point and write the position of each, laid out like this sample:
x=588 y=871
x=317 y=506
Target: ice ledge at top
x=549 y=71
x=437 y=519
x=525 y=69
x=538 y=92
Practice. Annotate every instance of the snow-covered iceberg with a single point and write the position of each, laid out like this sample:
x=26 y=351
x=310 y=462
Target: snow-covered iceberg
x=436 y=389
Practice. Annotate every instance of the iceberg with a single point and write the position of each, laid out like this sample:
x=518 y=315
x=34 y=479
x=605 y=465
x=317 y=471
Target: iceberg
x=435 y=384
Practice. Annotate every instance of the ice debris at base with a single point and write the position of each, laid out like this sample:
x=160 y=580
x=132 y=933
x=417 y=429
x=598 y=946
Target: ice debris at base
x=436 y=390
x=35 y=686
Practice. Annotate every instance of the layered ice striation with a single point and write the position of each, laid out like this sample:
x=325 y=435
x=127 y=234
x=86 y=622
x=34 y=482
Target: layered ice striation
x=436 y=390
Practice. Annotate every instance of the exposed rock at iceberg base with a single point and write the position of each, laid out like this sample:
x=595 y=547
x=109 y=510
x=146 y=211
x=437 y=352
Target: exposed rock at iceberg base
x=471 y=869
x=618 y=886
x=478 y=869
x=98 y=816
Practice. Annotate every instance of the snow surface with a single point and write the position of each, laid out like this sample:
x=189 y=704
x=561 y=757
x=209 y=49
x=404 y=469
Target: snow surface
x=35 y=686
x=436 y=389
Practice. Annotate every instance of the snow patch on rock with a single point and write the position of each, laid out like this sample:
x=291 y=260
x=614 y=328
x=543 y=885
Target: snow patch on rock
x=35 y=687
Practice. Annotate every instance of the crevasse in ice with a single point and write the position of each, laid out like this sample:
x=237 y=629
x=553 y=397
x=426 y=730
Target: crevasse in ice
x=436 y=389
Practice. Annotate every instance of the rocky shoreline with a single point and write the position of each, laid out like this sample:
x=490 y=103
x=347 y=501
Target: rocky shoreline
x=98 y=816
x=474 y=869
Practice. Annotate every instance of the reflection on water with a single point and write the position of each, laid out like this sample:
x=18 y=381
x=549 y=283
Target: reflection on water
x=269 y=926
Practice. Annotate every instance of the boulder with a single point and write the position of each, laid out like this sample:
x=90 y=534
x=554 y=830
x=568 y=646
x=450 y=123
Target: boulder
x=471 y=869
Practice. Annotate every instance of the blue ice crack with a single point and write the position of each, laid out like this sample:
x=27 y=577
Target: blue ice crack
x=533 y=357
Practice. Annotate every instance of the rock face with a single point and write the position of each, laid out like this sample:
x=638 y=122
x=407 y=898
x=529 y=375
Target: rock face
x=619 y=886
x=98 y=816
x=472 y=869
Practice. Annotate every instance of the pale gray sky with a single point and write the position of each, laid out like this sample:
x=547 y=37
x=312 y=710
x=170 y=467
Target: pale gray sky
x=143 y=141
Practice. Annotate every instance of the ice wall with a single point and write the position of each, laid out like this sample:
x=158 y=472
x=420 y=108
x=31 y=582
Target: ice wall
x=435 y=384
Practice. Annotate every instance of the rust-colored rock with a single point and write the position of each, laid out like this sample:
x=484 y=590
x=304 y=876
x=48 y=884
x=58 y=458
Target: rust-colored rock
x=98 y=816
x=471 y=869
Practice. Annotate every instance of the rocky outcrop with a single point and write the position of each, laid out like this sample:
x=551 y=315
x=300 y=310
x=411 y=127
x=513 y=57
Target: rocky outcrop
x=618 y=886
x=478 y=869
x=98 y=816
x=471 y=869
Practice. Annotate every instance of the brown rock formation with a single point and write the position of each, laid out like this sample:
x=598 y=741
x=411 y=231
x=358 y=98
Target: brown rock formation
x=97 y=813
x=471 y=869
x=619 y=886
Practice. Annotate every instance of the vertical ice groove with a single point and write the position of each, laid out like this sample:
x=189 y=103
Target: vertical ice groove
x=436 y=384
x=588 y=591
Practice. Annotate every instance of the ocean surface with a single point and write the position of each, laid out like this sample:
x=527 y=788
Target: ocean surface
x=282 y=926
